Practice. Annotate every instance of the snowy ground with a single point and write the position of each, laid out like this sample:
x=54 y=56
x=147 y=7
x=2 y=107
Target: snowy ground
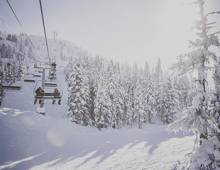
x=32 y=141
x=29 y=140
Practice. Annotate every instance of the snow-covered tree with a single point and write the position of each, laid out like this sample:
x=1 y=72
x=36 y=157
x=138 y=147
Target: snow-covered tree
x=138 y=104
x=148 y=95
x=158 y=73
x=103 y=102
x=78 y=95
x=113 y=95
x=169 y=102
x=198 y=117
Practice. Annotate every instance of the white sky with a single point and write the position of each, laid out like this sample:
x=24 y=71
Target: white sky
x=129 y=31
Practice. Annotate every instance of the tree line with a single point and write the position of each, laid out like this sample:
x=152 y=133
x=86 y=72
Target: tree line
x=104 y=93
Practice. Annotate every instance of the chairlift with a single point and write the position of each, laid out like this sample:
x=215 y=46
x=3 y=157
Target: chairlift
x=38 y=71
x=29 y=78
x=11 y=87
x=14 y=86
x=48 y=95
x=50 y=84
x=35 y=65
x=38 y=65
x=37 y=75
x=52 y=71
x=52 y=76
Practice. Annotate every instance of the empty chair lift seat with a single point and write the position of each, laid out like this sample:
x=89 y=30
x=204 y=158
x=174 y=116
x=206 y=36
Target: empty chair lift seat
x=15 y=86
x=37 y=75
x=29 y=79
x=50 y=84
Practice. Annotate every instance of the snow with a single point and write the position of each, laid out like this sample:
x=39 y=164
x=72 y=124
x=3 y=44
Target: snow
x=32 y=141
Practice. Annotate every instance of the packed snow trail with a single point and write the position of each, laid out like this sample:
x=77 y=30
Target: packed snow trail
x=29 y=140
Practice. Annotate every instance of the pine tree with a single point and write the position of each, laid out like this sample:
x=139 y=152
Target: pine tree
x=158 y=73
x=183 y=87
x=124 y=86
x=78 y=95
x=197 y=117
x=170 y=102
x=138 y=104
x=197 y=60
x=157 y=86
x=148 y=99
x=103 y=103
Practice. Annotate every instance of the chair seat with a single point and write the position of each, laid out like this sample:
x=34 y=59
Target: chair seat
x=48 y=96
x=50 y=84
x=36 y=75
x=29 y=80
x=11 y=87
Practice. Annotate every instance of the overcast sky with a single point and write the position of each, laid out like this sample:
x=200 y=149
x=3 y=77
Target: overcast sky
x=129 y=31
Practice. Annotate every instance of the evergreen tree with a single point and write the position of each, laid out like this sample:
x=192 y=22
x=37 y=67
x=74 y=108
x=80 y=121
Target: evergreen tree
x=148 y=91
x=198 y=117
x=170 y=102
x=138 y=104
x=78 y=95
x=103 y=103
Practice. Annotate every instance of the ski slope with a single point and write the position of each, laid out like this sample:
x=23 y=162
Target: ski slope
x=29 y=140
x=32 y=141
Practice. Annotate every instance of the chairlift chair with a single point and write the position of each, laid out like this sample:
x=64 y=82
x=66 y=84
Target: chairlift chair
x=52 y=75
x=35 y=65
x=29 y=78
x=48 y=95
x=13 y=86
x=50 y=84
x=52 y=71
x=37 y=75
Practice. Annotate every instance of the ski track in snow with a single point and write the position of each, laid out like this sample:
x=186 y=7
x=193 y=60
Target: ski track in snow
x=29 y=140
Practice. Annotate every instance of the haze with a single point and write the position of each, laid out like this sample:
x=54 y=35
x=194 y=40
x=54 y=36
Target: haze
x=129 y=31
